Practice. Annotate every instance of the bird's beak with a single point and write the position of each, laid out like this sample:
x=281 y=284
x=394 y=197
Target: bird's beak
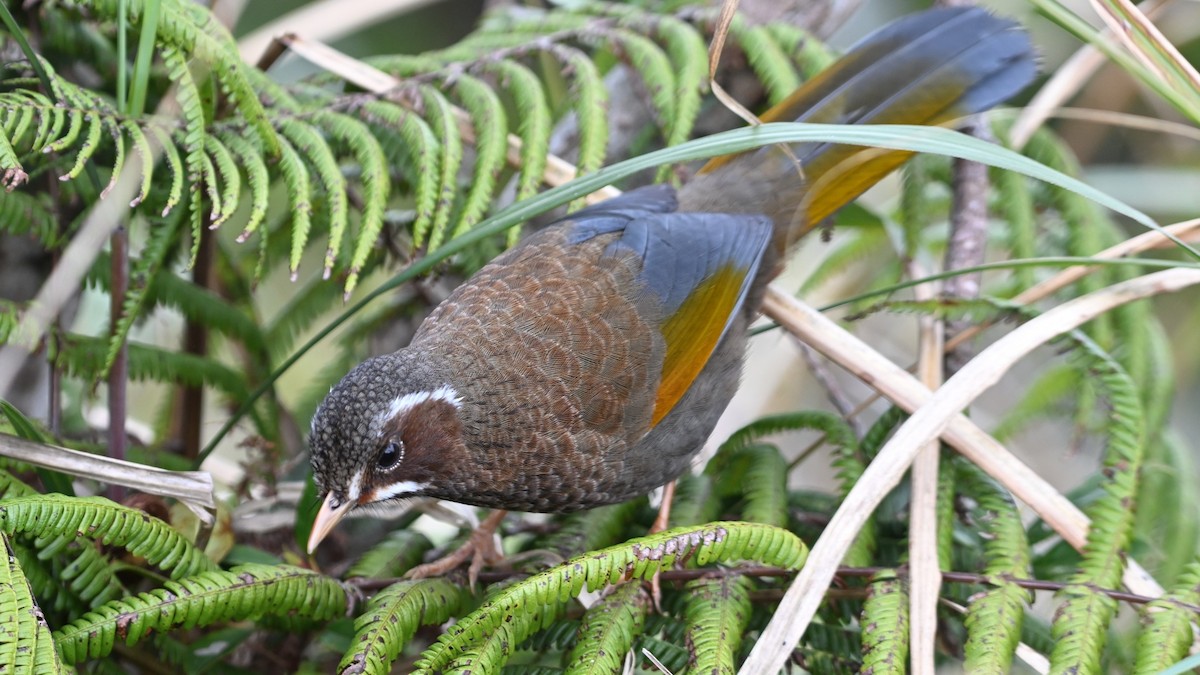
x=331 y=513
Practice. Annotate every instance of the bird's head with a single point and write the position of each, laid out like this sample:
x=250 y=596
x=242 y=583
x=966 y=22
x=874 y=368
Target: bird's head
x=385 y=432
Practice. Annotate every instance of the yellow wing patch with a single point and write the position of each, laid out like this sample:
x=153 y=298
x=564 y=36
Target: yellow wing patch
x=692 y=333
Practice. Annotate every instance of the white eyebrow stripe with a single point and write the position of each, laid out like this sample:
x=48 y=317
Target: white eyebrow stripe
x=404 y=402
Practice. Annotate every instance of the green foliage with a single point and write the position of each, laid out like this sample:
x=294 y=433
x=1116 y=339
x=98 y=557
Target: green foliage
x=393 y=616
x=244 y=592
x=97 y=518
x=885 y=625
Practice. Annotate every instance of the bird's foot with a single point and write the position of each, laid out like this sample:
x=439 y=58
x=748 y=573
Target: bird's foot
x=660 y=525
x=480 y=548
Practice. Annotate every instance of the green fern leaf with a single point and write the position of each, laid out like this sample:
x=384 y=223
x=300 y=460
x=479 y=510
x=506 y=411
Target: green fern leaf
x=393 y=616
x=717 y=613
x=320 y=156
x=440 y=115
x=91 y=143
x=192 y=110
x=400 y=551
x=810 y=55
x=295 y=178
x=591 y=101
x=69 y=138
x=608 y=630
x=375 y=189
x=175 y=164
x=772 y=66
x=994 y=617
x=533 y=126
x=1168 y=625
x=96 y=518
x=1081 y=623
x=227 y=170
x=885 y=625
x=592 y=529
x=26 y=645
x=417 y=143
x=654 y=67
x=244 y=592
x=250 y=159
x=491 y=147
x=516 y=607
x=141 y=147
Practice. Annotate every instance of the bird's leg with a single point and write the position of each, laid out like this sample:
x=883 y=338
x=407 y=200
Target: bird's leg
x=660 y=524
x=480 y=547
x=664 y=510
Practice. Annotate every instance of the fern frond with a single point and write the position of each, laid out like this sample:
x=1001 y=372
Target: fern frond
x=414 y=140
x=141 y=147
x=373 y=175
x=994 y=617
x=82 y=570
x=244 y=592
x=885 y=625
x=533 y=122
x=772 y=66
x=55 y=515
x=696 y=500
x=26 y=645
x=29 y=213
x=393 y=616
x=608 y=629
x=295 y=179
x=518 y=605
x=440 y=115
x=192 y=111
x=249 y=157
x=226 y=181
x=491 y=146
x=175 y=165
x=400 y=551
x=1168 y=626
x=309 y=142
x=764 y=485
x=717 y=613
x=836 y=431
x=1081 y=622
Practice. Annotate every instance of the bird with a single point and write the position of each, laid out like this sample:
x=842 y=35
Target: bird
x=589 y=363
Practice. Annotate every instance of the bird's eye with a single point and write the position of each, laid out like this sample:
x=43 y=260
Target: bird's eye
x=389 y=456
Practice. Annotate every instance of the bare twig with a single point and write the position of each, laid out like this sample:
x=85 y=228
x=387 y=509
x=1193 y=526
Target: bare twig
x=118 y=375
x=192 y=488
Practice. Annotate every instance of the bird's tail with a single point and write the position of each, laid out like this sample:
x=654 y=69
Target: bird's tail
x=928 y=69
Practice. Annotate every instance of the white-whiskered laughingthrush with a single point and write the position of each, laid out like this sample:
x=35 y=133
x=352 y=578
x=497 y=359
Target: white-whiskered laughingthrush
x=587 y=365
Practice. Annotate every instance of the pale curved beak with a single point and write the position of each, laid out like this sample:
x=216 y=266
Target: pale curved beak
x=331 y=513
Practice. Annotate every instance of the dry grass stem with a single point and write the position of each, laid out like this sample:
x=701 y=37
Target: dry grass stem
x=925 y=568
x=935 y=414
x=193 y=488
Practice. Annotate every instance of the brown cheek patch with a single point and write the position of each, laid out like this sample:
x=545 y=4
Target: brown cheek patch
x=432 y=435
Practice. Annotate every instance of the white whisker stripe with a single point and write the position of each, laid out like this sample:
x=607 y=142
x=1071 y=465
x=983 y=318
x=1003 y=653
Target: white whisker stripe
x=404 y=402
x=399 y=489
